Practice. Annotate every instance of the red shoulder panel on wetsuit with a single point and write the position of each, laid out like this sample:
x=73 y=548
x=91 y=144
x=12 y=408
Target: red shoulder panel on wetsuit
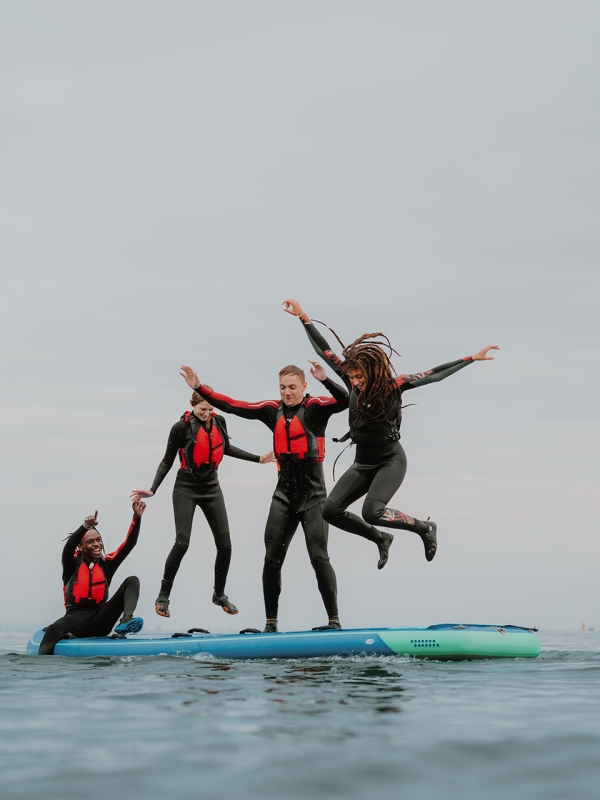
x=321 y=401
x=115 y=553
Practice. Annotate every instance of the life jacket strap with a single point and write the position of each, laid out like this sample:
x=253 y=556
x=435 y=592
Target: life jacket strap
x=343 y=438
x=310 y=455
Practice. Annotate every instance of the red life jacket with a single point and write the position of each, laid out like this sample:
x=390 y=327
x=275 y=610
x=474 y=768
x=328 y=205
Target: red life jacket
x=87 y=587
x=205 y=448
x=293 y=440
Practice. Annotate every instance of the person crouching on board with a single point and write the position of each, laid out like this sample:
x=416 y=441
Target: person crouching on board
x=87 y=573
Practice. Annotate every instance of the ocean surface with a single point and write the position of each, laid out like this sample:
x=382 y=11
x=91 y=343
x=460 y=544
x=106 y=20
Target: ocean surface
x=364 y=727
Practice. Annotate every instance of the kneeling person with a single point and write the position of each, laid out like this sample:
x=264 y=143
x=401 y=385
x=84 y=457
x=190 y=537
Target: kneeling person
x=87 y=573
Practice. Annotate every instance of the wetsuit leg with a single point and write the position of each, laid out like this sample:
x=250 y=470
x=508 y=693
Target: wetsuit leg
x=184 y=505
x=213 y=507
x=122 y=603
x=70 y=623
x=385 y=484
x=353 y=484
x=316 y=532
x=94 y=621
x=281 y=526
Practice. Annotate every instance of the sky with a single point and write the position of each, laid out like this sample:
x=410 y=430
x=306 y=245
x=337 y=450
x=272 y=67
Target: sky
x=171 y=172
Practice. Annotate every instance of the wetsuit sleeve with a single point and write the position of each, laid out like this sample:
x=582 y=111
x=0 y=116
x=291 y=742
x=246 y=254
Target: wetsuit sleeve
x=433 y=375
x=264 y=410
x=233 y=451
x=175 y=441
x=68 y=553
x=112 y=561
x=339 y=394
x=322 y=348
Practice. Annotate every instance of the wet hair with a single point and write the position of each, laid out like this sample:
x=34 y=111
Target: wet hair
x=381 y=398
x=292 y=369
x=198 y=398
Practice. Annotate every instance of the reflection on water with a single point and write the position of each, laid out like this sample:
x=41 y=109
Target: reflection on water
x=368 y=689
x=146 y=728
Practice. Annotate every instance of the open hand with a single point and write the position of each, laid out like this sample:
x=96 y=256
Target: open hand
x=268 y=458
x=292 y=307
x=190 y=377
x=482 y=355
x=91 y=521
x=137 y=494
x=138 y=507
x=317 y=370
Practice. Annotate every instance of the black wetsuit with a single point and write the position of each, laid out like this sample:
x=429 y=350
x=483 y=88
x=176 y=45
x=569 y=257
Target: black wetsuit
x=85 y=620
x=197 y=487
x=380 y=461
x=300 y=493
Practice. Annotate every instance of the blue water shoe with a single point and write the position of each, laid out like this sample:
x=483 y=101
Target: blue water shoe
x=128 y=625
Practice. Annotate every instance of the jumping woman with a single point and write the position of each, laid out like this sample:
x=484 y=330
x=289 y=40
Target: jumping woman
x=200 y=440
x=375 y=414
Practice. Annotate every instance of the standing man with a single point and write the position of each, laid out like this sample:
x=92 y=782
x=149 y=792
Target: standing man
x=87 y=573
x=298 y=422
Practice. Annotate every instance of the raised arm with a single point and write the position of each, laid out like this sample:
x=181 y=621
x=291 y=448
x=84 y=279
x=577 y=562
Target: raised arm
x=68 y=553
x=114 y=560
x=444 y=370
x=338 y=393
x=317 y=340
x=72 y=543
x=262 y=410
x=175 y=441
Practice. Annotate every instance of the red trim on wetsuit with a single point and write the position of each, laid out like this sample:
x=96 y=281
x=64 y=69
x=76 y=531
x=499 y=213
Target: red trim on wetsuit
x=115 y=553
x=206 y=392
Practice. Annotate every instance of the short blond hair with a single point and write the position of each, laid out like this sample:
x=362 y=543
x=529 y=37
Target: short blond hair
x=292 y=369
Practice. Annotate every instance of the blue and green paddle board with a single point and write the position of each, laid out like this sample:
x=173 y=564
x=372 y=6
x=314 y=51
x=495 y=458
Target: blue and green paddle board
x=447 y=642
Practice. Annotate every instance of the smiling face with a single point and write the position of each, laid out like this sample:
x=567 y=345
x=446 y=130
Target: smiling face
x=91 y=545
x=291 y=389
x=203 y=410
x=357 y=378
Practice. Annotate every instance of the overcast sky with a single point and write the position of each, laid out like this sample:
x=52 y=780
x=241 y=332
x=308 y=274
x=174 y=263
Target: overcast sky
x=171 y=172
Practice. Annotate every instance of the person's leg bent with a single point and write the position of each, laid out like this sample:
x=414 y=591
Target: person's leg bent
x=385 y=484
x=353 y=484
x=55 y=632
x=122 y=604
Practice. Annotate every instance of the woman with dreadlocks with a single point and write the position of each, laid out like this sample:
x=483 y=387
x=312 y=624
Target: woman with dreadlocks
x=375 y=414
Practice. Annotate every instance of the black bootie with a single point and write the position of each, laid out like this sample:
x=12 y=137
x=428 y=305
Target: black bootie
x=161 y=604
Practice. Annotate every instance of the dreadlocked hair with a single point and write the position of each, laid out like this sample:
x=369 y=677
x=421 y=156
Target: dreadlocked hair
x=381 y=398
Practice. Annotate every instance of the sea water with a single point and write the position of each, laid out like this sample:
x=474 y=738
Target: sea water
x=361 y=727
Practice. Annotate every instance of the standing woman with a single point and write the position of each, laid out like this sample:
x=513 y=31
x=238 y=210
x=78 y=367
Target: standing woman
x=200 y=440
x=375 y=415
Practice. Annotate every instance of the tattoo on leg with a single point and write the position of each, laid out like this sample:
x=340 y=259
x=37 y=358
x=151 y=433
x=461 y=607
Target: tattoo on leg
x=391 y=515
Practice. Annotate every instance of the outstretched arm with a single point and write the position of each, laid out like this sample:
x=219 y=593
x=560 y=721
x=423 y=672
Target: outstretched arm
x=444 y=370
x=262 y=410
x=112 y=561
x=175 y=441
x=236 y=452
x=319 y=343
